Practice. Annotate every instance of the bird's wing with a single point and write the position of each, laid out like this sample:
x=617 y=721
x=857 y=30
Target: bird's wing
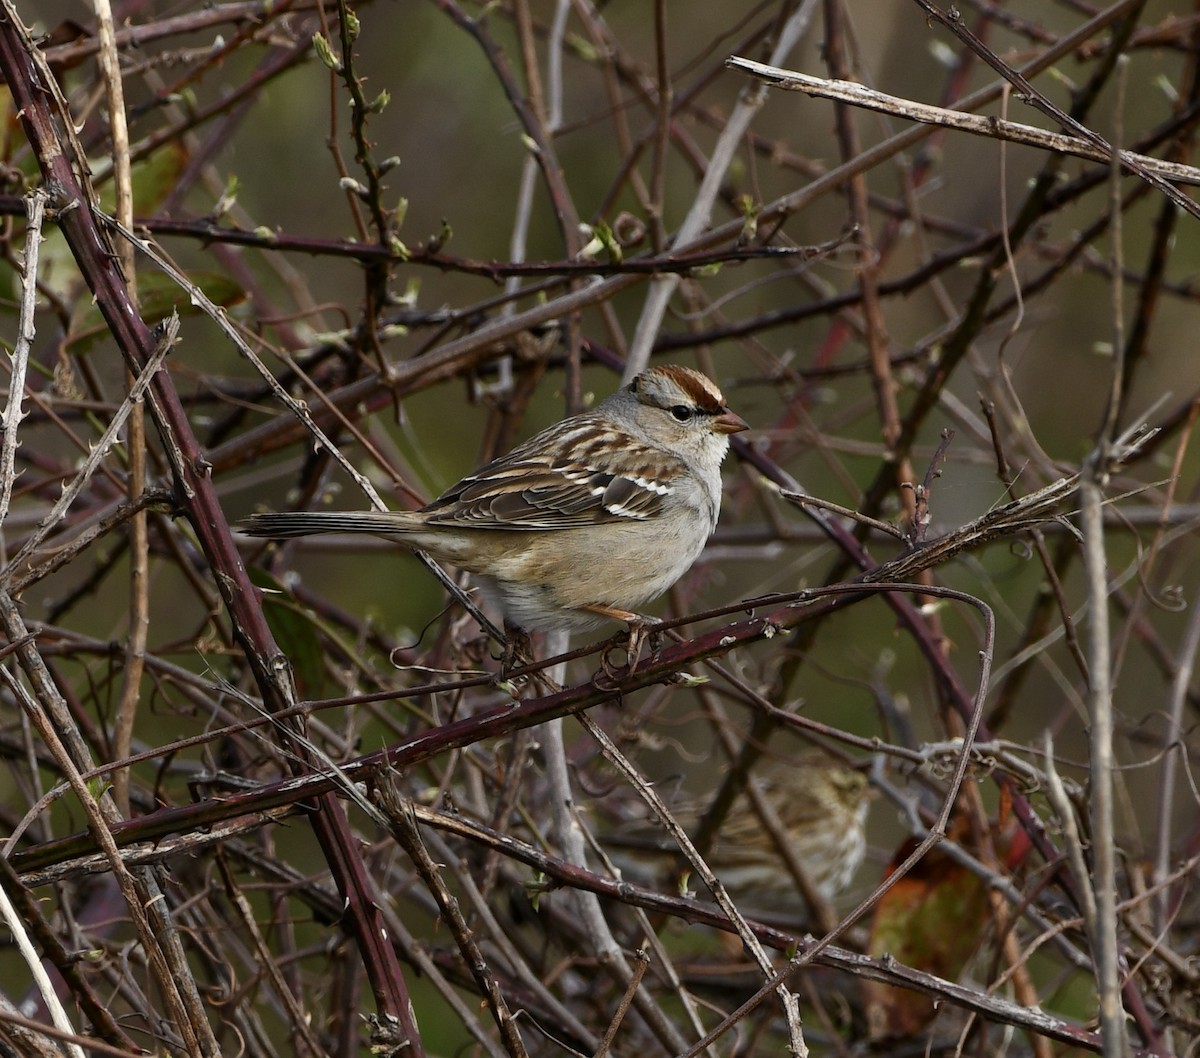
x=555 y=481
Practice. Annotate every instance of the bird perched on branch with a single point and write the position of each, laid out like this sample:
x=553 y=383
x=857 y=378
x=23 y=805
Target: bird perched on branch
x=589 y=520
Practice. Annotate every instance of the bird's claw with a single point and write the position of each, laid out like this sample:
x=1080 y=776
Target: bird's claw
x=518 y=650
x=642 y=631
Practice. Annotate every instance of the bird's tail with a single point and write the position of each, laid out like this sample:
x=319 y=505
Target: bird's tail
x=307 y=523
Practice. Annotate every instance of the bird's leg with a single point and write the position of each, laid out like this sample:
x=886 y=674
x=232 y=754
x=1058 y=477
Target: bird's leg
x=641 y=630
x=518 y=652
x=518 y=649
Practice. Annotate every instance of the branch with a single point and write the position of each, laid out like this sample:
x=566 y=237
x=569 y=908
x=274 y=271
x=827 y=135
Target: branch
x=989 y=127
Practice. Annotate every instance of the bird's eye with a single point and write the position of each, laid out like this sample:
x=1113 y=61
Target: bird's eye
x=682 y=413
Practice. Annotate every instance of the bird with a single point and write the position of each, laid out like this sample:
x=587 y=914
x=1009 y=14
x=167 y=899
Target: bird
x=823 y=807
x=587 y=521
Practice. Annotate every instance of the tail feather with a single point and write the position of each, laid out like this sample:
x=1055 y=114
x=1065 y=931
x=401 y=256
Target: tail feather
x=308 y=523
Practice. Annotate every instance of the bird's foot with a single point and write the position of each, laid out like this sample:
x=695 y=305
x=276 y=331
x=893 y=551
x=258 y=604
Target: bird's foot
x=641 y=630
x=518 y=654
x=518 y=650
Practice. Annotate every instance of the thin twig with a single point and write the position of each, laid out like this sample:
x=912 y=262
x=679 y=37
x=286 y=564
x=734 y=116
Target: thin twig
x=41 y=979
x=569 y=834
x=139 y=574
x=401 y=819
x=989 y=127
x=641 y=962
x=698 y=216
x=1105 y=944
x=35 y=208
x=679 y=836
x=166 y=339
x=802 y=499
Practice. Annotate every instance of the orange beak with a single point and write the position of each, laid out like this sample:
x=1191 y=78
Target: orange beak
x=728 y=422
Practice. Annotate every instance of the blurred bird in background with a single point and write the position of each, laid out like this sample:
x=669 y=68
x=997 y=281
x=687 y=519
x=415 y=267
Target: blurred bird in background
x=822 y=805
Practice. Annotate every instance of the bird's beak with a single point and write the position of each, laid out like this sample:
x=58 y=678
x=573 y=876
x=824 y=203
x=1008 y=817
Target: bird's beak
x=729 y=422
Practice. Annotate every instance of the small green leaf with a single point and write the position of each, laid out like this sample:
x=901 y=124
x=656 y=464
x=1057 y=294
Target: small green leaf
x=750 y=211
x=325 y=53
x=686 y=679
